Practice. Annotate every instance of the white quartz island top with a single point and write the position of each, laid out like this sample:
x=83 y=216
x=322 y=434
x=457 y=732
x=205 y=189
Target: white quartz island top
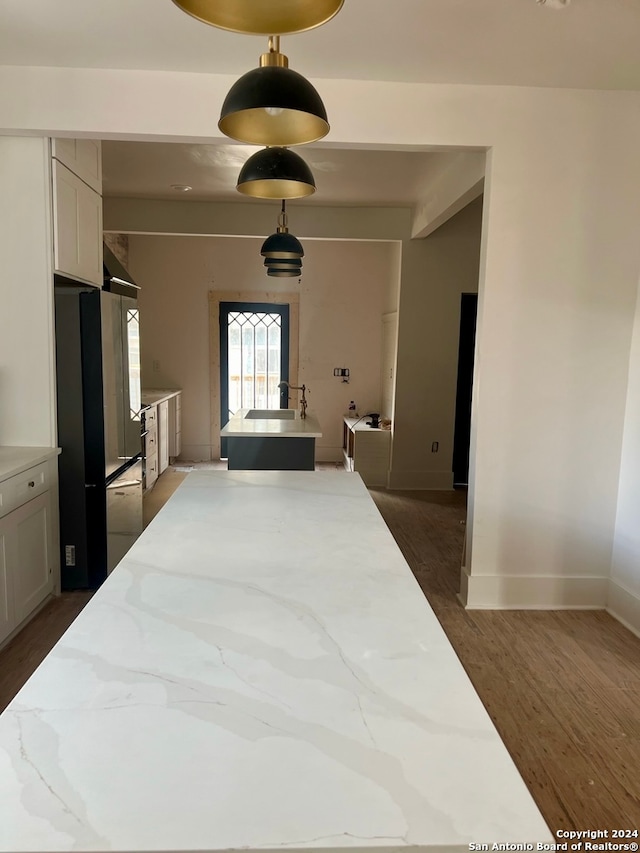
x=15 y=460
x=260 y=672
x=240 y=426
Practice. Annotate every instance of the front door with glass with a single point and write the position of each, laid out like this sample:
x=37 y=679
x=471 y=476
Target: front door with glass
x=254 y=358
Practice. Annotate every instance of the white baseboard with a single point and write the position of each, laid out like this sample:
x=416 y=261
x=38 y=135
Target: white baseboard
x=510 y=592
x=428 y=480
x=624 y=606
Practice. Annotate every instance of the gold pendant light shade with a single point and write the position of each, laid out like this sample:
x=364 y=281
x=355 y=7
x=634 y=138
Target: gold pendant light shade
x=276 y=173
x=273 y=106
x=262 y=17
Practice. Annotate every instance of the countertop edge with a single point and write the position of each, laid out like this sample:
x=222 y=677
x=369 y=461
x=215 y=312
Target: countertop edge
x=239 y=427
x=152 y=396
x=16 y=459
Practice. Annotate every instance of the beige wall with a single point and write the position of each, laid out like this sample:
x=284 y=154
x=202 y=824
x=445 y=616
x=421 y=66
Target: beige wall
x=344 y=291
x=435 y=271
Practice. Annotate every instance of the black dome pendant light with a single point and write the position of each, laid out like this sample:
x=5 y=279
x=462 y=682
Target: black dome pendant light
x=276 y=173
x=273 y=105
x=262 y=17
x=282 y=252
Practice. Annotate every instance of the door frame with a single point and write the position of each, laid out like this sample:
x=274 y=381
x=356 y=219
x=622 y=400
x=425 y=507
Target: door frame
x=250 y=296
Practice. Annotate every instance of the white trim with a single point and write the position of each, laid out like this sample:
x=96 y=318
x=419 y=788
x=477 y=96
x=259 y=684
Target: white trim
x=624 y=606
x=527 y=592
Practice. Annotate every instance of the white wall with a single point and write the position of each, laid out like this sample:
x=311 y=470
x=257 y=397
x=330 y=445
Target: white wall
x=559 y=272
x=344 y=291
x=624 y=586
x=27 y=374
x=554 y=332
x=435 y=272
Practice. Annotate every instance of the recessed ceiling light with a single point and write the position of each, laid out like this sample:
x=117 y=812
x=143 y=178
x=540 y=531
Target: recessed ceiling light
x=181 y=188
x=554 y=4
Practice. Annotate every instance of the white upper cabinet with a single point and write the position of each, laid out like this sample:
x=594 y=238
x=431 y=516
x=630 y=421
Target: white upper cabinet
x=77 y=227
x=83 y=157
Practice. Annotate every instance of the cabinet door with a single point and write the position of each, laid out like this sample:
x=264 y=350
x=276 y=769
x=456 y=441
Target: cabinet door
x=163 y=436
x=175 y=426
x=77 y=227
x=151 y=470
x=81 y=156
x=33 y=572
x=7 y=560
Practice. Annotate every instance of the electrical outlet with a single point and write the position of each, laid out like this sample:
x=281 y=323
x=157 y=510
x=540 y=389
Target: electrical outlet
x=434 y=446
x=69 y=555
x=156 y=365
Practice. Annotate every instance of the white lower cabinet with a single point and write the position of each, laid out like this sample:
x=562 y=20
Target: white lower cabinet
x=163 y=436
x=26 y=558
x=33 y=578
x=366 y=451
x=26 y=573
x=175 y=425
x=7 y=561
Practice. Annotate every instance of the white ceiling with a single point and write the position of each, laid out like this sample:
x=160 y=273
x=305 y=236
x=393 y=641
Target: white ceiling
x=343 y=176
x=587 y=44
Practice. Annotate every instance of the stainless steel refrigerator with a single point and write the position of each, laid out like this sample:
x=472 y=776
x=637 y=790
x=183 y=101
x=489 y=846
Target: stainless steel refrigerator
x=99 y=430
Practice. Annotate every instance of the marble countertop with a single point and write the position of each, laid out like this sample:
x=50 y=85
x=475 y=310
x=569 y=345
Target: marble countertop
x=261 y=671
x=14 y=460
x=240 y=426
x=361 y=424
x=152 y=396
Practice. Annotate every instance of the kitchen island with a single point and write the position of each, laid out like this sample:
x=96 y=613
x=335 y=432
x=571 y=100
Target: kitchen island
x=260 y=671
x=271 y=440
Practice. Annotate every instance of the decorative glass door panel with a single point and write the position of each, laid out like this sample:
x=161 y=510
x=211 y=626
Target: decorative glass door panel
x=254 y=357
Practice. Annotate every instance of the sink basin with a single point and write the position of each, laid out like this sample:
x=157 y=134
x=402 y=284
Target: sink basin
x=271 y=414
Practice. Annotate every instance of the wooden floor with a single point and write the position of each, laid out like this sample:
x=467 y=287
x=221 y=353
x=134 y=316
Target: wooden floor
x=563 y=688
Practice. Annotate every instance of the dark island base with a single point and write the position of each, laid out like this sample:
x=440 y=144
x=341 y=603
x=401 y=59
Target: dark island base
x=271 y=454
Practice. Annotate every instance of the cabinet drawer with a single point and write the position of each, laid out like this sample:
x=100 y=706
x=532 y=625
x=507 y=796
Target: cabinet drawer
x=150 y=443
x=151 y=470
x=23 y=487
x=151 y=418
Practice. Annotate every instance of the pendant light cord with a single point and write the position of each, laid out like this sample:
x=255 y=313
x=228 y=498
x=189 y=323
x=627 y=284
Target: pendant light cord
x=282 y=219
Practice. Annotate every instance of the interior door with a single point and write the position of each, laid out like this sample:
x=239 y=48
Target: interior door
x=466 y=351
x=254 y=358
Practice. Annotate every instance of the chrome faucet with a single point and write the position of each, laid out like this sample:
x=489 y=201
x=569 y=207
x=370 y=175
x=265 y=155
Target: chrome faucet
x=303 y=400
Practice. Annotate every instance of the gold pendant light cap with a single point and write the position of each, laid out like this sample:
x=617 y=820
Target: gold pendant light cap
x=262 y=17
